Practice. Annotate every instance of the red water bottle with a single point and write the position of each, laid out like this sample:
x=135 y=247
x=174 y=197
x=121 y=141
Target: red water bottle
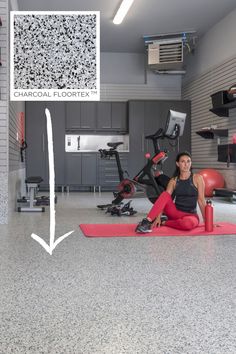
x=209 y=216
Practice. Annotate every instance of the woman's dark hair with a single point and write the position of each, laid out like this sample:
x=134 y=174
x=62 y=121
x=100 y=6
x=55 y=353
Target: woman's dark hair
x=183 y=153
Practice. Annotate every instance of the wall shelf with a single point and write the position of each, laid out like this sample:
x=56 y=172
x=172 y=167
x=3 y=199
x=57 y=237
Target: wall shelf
x=212 y=133
x=223 y=111
x=227 y=153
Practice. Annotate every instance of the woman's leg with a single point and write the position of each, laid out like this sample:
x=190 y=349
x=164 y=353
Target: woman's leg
x=146 y=224
x=187 y=222
x=160 y=204
x=176 y=218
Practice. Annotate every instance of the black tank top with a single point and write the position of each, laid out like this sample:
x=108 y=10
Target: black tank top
x=186 y=195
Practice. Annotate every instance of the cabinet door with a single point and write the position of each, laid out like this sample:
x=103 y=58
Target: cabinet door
x=153 y=121
x=136 y=137
x=73 y=115
x=36 y=138
x=119 y=116
x=73 y=168
x=57 y=110
x=104 y=115
x=88 y=115
x=89 y=169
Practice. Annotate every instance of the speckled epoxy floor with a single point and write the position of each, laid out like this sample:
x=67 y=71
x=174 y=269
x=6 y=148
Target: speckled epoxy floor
x=170 y=295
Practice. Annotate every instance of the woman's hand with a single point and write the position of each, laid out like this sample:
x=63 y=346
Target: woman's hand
x=157 y=221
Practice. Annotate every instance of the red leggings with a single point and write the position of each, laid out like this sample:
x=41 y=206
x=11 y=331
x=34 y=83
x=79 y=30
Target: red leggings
x=176 y=218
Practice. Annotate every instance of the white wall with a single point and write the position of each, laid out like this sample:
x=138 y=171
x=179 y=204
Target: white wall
x=216 y=46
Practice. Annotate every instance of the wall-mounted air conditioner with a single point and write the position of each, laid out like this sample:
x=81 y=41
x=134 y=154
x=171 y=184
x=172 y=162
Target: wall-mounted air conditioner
x=166 y=54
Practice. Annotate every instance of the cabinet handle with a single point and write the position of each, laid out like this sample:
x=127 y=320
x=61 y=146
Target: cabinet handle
x=43 y=142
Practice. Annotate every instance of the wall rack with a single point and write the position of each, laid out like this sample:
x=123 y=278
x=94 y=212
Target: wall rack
x=0 y=47
x=0 y=57
x=227 y=153
x=212 y=133
x=223 y=110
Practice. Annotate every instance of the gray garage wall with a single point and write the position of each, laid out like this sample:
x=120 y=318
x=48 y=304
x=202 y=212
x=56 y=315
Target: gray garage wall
x=215 y=47
x=124 y=76
x=16 y=169
x=4 y=113
x=16 y=174
x=15 y=131
x=212 y=69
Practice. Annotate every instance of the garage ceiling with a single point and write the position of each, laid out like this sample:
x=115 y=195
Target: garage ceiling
x=145 y=17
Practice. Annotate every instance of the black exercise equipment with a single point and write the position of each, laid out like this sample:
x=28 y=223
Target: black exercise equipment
x=225 y=193
x=121 y=209
x=151 y=178
x=22 y=148
x=32 y=202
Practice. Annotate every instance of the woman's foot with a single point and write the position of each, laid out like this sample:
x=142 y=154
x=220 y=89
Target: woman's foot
x=144 y=226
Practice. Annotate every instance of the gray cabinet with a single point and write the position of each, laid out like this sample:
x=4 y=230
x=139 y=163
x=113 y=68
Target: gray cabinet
x=36 y=137
x=88 y=115
x=58 y=125
x=73 y=169
x=112 y=116
x=81 y=115
x=145 y=118
x=136 y=136
x=97 y=116
x=108 y=177
x=104 y=116
x=153 y=121
x=73 y=116
x=119 y=116
x=81 y=169
x=89 y=169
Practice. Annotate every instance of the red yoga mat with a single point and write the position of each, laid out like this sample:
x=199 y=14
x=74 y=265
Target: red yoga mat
x=128 y=230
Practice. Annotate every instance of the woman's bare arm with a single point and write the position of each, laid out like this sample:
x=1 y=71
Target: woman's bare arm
x=201 y=194
x=171 y=186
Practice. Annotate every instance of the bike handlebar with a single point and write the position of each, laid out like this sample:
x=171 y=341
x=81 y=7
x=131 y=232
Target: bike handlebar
x=161 y=135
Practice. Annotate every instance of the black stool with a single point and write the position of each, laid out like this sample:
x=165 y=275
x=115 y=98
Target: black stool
x=32 y=186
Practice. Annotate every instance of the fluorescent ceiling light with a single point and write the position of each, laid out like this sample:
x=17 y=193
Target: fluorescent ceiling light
x=122 y=11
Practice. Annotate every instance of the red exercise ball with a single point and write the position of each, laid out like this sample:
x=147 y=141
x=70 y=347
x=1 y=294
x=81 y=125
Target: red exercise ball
x=213 y=179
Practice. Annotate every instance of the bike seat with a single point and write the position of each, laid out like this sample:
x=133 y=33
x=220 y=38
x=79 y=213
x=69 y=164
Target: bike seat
x=34 y=179
x=158 y=134
x=114 y=145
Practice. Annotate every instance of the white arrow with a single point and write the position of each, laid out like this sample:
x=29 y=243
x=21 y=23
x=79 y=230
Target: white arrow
x=49 y=248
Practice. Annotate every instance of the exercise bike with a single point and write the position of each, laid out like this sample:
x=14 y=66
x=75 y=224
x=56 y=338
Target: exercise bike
x=150 y=178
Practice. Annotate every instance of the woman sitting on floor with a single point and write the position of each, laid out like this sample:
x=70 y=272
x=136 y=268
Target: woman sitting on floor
x=188 y=190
